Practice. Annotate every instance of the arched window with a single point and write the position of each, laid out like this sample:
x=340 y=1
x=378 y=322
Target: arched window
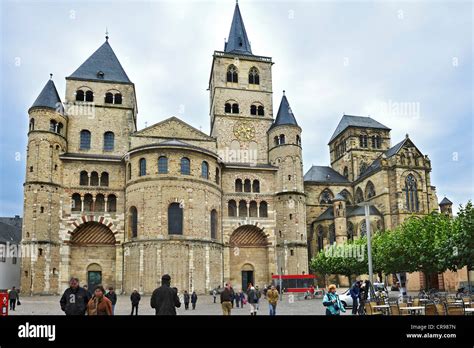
x=276 y=140
x=117 y=98
x=298 y=140
x=76 y=202
x=89 y=96
x=332 y=234
x=32 y=124
x=350 y=230
x=99 y=203
x=347 y=196
x=108 y=141
x=60 y=128
x=109 y=98
x=227 y=108
x=162 y=165
x=53 y=126
x=346 y=172
x=254 y=78
x=363 y=229
x=111 y=203
x=235 y=108
x=326 y=197
x=370 y=190
x=218 y=178
x=85 y=142
x=243 y=209
x=359 y=195
x=253 y=109
x=142 y=167
x=87 y=202
x=175 y=219
x=247 y=185
x=263 y=209
x=214 y=224
x=320 y=238
x=362 y=168
x=282 y=139
x=83 y=179
x=129 y=169
x=411 y=193
x=94 y=179
x=232 y=208
x=256 y=186
x=260 y=110
x=376 y=141
x=253 y=209
x=232 y=74
x=104 y=179
x=204 y=170
x=133 y=216
x=80 y=95
x=185 y=166
x=238 y=185
x=363 y=140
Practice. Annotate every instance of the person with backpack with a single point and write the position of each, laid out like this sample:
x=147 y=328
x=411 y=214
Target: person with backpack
x=135 y=299
x=332 y=302
x=253 y=300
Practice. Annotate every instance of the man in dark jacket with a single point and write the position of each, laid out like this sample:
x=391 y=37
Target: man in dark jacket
x=355 y=296
x=135 y=298
x=226 y=297
x=165 y=299
x=194 y=299
x=74 y=300
x=14 y=298
x=112 y=296
x=186 y=300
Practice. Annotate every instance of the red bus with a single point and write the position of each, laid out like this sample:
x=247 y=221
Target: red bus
x=294 y=282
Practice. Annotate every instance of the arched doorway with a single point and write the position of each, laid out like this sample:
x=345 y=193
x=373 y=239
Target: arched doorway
x=93 y=255
x=249 y=257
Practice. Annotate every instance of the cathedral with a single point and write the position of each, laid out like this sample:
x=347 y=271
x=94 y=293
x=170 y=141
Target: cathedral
x=114 y=205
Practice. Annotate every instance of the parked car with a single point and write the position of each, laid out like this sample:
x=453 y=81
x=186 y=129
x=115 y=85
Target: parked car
x=346 y=298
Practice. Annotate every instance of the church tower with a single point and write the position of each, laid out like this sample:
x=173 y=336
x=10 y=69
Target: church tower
x=42 y=192
x=240 y=87
x=285 y=152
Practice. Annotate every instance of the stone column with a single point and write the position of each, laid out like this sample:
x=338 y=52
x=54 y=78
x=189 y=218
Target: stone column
x=119 y=269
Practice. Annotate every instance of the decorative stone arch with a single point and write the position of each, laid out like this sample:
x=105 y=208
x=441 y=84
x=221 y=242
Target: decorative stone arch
x=84 y=219
x=418 y=177
x=94 y=267
x=248 y=267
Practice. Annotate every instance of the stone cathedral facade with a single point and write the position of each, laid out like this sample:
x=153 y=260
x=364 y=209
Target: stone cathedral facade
x=111 y=204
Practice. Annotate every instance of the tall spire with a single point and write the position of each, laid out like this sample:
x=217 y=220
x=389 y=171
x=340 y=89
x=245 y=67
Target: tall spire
x=238 y=42
x=285 y=115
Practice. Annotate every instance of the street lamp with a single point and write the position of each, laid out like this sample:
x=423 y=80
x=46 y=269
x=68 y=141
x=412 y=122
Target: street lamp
x=366 y=206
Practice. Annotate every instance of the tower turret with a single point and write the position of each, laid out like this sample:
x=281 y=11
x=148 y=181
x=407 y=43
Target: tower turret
x=446 y=207
x=340 y=225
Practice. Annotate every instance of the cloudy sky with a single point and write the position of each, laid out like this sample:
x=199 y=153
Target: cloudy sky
x=407 y=64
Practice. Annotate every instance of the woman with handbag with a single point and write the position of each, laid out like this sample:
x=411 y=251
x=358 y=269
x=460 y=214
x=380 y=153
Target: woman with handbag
x=332 y=302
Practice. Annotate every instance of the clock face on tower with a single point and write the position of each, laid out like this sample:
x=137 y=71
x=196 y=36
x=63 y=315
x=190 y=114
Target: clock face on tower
x=244 y=131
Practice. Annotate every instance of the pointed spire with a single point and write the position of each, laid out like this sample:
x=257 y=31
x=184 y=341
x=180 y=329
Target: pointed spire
x=102 y=65
x=49 y=97
x=445 y=201
x=238 y=41
x=285 y=115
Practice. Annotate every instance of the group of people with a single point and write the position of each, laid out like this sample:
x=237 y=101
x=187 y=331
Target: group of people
x=359 y=292
x=187 y=297
x=253 y=297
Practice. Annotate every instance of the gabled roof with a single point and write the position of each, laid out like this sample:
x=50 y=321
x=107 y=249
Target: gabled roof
x=358 y=122
x=49 y=98
x=103 y=61
x=351 y=210
x=167 y=129
x=445 y=201
x=238 y=41
x=324 y=174
x=9 y=233
x=285 y=114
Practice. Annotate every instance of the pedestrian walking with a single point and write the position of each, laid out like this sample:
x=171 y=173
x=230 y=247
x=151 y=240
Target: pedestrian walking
x=272 y=296
x=332 y=302
x=14 y=297
x=214 y=294
x=253 y=300
x=363 y=296
x=112 y=296
x=135 y=299
x=354 y=292
x=186 y=300
x=232 y=297
x=242 y=298
x=226 y=303
x=165 y=299
x=194 y=299
x=75 y=299
x=99 y=304
x=259 y=295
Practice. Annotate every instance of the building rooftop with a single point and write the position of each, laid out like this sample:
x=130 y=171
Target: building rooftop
x=238 y=42
x=358 y=122
x=285 y=114
x=49 y=97
x=324 y=174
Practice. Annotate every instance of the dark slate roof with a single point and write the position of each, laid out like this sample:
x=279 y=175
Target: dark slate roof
x=104 y=60
x=9 y=233
x=394 y=149
x=13 y=221
x=324 y=174
x=328 y=214
x=357 y=210
x=445 y=201
x=49 y=97
x=238 y=42
x=285 y=115
x=339 y=197
x=356 y=121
